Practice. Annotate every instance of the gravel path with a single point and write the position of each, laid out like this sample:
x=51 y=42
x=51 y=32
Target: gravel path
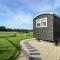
x=22 y=56
x=47 y=50
x=34 y=50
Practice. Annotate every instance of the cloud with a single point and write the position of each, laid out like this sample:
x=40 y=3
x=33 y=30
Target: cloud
x=5 y=11
x=21 y=12
x=42 y=5
x=22 y=17
x=38 y=5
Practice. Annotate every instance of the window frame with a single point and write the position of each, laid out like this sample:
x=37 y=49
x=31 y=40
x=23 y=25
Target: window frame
x=40 y=21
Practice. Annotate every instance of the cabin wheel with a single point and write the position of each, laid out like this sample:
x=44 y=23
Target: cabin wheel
x=38 y=39
x=56 y=42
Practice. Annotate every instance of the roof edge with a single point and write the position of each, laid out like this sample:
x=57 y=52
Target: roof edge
x=45 y=13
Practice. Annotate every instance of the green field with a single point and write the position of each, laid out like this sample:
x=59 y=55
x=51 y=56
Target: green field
x=9 y=44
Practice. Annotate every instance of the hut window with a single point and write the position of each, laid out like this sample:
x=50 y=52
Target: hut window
x=41 y=22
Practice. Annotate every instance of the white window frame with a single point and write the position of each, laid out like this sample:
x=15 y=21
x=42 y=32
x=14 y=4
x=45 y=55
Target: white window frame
x=40 y=21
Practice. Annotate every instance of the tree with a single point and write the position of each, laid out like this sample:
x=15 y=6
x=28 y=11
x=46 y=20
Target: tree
x=2 y=28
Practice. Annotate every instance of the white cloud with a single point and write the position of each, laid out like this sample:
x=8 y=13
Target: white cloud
x=5 y=11
x=38 y=5
x=22 y=17
x=42 y=5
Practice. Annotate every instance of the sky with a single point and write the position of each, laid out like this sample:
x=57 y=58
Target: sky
x=20 y=13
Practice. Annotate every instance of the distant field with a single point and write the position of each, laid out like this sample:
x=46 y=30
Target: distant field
x=9 y=43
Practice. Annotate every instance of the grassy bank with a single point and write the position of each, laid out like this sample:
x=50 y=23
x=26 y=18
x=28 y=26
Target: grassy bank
x=9 y=43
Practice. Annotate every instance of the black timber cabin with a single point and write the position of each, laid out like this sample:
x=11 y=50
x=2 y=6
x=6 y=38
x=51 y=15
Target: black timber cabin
x=46 y=27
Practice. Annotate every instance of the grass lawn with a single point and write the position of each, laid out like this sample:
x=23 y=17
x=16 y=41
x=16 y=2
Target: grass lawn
x=9 y=43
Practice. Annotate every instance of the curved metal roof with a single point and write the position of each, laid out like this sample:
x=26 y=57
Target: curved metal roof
x=40 y=13
x=45 y=13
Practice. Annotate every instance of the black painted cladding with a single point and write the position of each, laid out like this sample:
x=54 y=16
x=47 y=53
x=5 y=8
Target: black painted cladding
x=51 y=32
